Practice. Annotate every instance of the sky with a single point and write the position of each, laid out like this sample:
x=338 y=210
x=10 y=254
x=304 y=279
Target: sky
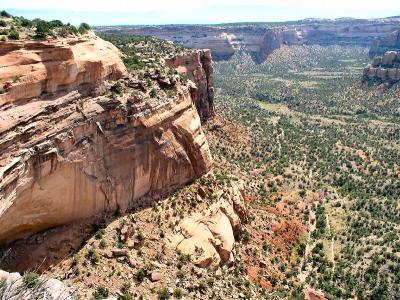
x=133 y=12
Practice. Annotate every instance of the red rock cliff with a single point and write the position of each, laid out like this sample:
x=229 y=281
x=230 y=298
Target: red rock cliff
x=31 y=68
x=66 y=156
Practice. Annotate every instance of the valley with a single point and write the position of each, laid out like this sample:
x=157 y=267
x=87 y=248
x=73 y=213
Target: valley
x=334 y=138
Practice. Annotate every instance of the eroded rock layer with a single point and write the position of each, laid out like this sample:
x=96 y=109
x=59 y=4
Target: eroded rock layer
x=384 y=69
x=66 y=156
x=31 y=68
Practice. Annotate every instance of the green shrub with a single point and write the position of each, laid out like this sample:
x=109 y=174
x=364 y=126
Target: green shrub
x=125 y=296
x=42 y=29
x=70 y=28
x=26 y=23
x=302 y=193
x=55 y=24
x=178 y=293
x=83 y=28
x=3 y=284
x=140 y=275
x=3 y=23
x=13 y=35
x=2 y=90
x=103 y=244
x=31 y=280
x=153 y=93
x=117 y=88
x=183 y=78
x=246 y=237
x=163 y=294
x=101 y=293
x=5 y=14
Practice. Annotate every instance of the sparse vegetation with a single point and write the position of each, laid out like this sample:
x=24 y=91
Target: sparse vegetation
x=101 y=293
x=163 y=294
x=13 y=35
x=31 y=280
x=316 y=128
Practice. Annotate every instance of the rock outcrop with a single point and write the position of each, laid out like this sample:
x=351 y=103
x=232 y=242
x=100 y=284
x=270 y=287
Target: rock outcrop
x=209 y=237
x=275 y=39
x=66 y=156
x=199 y=69
x=259 y=40
x=15 y=287
x=32 y=68
x=381 y=45
x=384 y=69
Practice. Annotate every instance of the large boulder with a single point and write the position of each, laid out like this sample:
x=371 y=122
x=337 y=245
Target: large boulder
x=209 y=236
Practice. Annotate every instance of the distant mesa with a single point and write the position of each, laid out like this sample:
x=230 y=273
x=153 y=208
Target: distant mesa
x=261 y=39
x=381 y=45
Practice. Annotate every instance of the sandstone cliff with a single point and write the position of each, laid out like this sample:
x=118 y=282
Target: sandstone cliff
x=390 y=42
x=198 y=68
x=32 y=68
x=65 y=156
x=384 y=69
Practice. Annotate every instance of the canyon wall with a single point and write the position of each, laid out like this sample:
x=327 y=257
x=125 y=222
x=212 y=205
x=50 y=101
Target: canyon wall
x=75 y=149
x=260 y=39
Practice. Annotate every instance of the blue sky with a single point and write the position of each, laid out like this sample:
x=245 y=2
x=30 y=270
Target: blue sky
x=125 y=12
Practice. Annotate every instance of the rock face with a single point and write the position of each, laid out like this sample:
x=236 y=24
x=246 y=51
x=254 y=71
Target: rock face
x=31 y=68
x=390 y=42
x=16 y=287
x=260 y=40
x=199 y=69
x=384 y=69
x=209 y=237
x=275 y=39
x=68 y=156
